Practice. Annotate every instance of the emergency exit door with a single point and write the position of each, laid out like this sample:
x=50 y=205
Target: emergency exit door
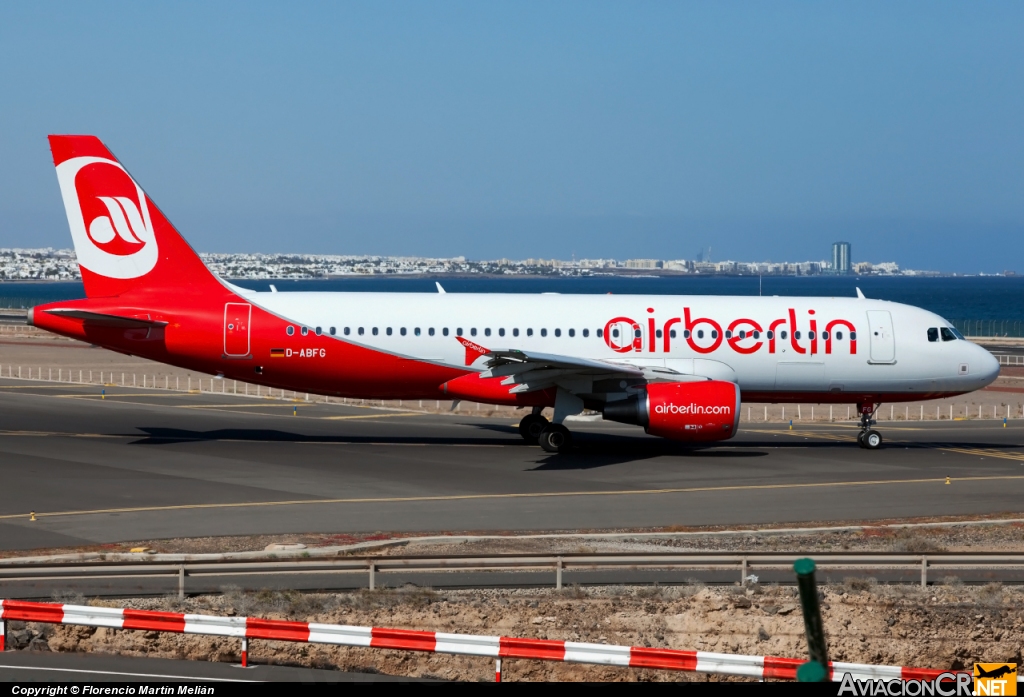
x=883 y=341
x=236 y=329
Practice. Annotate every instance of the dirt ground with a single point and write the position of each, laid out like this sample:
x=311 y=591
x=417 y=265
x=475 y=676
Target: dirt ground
x=40 y=354
x=947 y=626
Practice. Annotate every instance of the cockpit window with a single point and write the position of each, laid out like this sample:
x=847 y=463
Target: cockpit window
x=947 y=334
x=933 y=334
x=957 y=334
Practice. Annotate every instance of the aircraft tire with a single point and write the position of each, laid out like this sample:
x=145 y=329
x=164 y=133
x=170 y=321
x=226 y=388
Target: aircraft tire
x=872 y=440
x=860 y=439
x=555 y=438
x=531 y=427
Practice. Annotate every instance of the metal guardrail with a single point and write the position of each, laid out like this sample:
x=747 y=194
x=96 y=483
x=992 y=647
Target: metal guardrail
x=1005 y=359
x=990 y=327
x=742 y=563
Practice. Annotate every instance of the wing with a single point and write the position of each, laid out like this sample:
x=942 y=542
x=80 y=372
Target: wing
x=528 y=371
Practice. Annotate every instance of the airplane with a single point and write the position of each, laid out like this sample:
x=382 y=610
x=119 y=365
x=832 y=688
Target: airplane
x=677 y=366
x=999 y=672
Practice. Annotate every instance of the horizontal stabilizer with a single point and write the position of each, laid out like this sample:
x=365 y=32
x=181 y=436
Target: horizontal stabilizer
x=107 y=320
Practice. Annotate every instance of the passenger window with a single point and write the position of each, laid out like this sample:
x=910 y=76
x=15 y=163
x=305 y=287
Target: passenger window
x=947 y=335
x=445 y=331
x=853 y=336
x=714 y=333
x=289 y=331
x=782 y=334
x=402 y=331
x=672 y=333
x=374 y=330
x=728 y=334
x=558 y=332
x=360 y=331
x=487 y=331
x=615 y=333
x=389 y=331
x=305 y=331
x=839 y=336
x=686 y=333
x=319 y=331
x=430 y=331
x=796 y=335
x=586 y=333
x=657 y=333
x=600 y=333
x=743 y=334
x=757 y=334
x=515 y=332
x=416 y=331
x=543 y=332
x=824 y=336
x=472 y=331
x=933 y=334
x=529 y=332
x=770 y=334
x=572 y=332
x=636 y=333
x=810 y=335
x=333 y=331
x=501 y=332
x=700 y=333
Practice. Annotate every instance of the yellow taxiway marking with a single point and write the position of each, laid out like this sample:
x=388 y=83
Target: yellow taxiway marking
x=531 y=495
x=985 y=452
x=372 y=416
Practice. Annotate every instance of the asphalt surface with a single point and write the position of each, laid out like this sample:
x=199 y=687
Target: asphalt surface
x=148 y=464
x=27 y=666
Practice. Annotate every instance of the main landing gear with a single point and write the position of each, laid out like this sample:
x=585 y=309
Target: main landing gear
x=552 y=438
x=868 y=437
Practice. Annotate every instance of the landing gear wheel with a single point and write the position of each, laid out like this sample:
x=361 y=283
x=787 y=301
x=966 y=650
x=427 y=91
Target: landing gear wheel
x=531 y=427
x=555 y=438
x=872 y=440
x=860 y=439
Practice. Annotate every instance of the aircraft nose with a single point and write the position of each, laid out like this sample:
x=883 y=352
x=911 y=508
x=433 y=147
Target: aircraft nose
x=987 y=365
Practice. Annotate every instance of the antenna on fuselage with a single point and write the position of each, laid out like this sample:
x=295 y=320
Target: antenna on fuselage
x=439 y=288
x=860 y=294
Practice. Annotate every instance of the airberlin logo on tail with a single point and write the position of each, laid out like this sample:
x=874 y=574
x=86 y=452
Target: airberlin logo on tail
x=109 y=218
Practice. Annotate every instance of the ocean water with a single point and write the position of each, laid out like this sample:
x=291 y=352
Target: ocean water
x=996 y=301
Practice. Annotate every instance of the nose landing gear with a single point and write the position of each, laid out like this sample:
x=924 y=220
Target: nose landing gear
x=868 y=437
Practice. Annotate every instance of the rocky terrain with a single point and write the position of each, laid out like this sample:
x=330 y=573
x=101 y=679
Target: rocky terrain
x=946 y=626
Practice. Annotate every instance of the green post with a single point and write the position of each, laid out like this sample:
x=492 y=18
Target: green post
x=813 y=625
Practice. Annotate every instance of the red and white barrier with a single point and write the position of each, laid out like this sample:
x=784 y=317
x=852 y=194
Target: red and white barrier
x=245 y=628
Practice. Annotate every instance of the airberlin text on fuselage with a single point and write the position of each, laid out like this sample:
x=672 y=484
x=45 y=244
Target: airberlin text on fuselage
x=691 y=408
x=743 y=335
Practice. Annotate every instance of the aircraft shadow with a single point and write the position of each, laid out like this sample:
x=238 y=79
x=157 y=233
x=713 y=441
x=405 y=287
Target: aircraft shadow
x=165 y=436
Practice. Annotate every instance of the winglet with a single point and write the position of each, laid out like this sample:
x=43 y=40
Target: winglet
x=860 y=294
x=473 y=351
x=439 y=288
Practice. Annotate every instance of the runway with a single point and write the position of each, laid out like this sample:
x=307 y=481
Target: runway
x=144 y=464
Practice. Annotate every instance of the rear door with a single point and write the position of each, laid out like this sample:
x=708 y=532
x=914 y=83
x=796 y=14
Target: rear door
x=883 y=340
x=236 y=329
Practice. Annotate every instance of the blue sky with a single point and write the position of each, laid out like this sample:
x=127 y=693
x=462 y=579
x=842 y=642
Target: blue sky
x=632 y=129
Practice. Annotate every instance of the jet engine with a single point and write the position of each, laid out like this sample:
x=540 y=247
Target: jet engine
x=703 y=411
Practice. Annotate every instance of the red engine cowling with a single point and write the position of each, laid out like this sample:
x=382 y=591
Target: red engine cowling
x=703 y=411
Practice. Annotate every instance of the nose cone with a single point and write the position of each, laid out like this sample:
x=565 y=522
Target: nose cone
x=987 y=366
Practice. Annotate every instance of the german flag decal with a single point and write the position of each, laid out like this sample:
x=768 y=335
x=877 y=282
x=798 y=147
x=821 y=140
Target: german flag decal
x=277 y=353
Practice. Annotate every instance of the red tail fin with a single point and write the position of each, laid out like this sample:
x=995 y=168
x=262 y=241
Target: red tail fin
x=123 y=242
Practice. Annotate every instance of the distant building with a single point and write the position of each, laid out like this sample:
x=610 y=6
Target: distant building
x=643 y=264
x=841 y=257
